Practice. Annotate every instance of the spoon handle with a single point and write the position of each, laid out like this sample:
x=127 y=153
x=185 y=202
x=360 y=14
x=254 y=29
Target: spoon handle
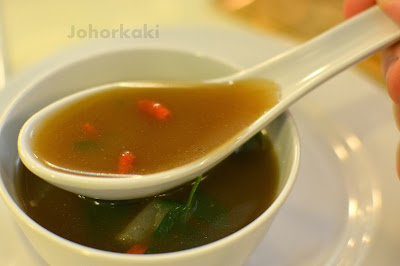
x=302 y=68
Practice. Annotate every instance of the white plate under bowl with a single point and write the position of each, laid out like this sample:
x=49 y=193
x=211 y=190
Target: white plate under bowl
x=343 y=207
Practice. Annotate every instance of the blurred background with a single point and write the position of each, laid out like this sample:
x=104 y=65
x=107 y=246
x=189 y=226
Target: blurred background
x=33 y=30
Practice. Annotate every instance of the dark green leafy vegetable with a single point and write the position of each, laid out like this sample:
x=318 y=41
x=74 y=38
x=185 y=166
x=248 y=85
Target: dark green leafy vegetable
x=86 y=145
x=173 y=217
x=177 y=215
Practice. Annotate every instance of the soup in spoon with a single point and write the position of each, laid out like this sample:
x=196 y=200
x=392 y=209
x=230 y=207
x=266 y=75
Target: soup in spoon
x=149 y=130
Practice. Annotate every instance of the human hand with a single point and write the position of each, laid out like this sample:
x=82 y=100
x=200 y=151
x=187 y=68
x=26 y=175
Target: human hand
x=390 y=57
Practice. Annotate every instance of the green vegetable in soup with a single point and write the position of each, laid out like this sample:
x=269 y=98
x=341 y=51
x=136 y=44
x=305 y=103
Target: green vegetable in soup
x=156 y=219
x=86 y=146
x=178 y=215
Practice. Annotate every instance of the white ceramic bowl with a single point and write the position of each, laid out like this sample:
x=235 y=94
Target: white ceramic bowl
x=121 y=63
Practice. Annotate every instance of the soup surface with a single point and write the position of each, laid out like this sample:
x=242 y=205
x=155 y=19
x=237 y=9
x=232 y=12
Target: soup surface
x=229 y=197
x=148 y=130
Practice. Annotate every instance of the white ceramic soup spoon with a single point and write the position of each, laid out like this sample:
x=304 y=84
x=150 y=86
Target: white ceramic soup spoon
x=296 y=72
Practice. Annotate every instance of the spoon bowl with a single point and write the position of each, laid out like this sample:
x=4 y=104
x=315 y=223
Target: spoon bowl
x=296 y=72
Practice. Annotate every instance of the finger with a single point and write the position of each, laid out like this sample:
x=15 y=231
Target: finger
x=391 y=68
x=396 y=112
x=391 y=7
x=353 y=7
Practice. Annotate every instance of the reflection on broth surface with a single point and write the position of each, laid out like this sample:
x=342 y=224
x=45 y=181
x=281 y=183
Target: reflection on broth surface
x=148 y=130
x=229 y=197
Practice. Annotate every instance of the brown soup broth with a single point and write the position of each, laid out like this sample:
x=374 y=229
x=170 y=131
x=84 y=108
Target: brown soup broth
x=201 y=118
x=234 y=193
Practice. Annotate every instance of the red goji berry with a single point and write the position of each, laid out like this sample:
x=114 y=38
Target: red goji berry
x=138 y=249
x=154 y=109
x=126 y=162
